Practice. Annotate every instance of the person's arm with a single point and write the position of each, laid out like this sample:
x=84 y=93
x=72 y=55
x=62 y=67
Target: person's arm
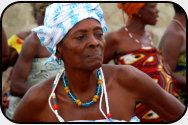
x=33 y=103
x=23 y=65
x=12 y=51
x=146 y=91
x=171 y=48
x=13 y=56
x=172 y=43
x=110 y=46
x=5 y=52
x=181 y=81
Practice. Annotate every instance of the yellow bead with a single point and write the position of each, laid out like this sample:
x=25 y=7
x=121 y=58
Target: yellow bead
x=53 y=97
x=66 y=88
x=96 y=96
x=79 y=103
x=94 y=99
x=99 y=81
x=67 y=91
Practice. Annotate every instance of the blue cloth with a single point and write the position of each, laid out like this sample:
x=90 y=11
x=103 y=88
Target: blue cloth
x=61 y=17
x=133 y=119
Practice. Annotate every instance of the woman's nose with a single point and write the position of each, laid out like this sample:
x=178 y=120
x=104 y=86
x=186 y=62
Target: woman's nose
x=93 y=42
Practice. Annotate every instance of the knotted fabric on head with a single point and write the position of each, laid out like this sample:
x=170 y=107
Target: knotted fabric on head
x=130 y=8
x=60 y=18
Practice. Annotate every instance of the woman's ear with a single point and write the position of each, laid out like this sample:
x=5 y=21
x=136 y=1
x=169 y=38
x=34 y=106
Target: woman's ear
x=58 y=50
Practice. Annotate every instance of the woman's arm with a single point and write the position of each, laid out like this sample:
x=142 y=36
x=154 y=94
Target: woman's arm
x=151 y=94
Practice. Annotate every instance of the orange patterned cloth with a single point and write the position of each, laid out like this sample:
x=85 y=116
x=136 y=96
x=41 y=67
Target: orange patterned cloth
x=131 y=8
x=150 y=61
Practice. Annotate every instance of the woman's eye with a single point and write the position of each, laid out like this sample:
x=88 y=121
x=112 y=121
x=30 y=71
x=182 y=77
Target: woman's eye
x=81 y=37
x=99 y=35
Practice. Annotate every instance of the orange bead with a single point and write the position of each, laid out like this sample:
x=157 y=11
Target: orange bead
x=96 y=96
x=67 y=91
x=78 y=100
x=79 y=103
x=94 y=99
x=99 y=81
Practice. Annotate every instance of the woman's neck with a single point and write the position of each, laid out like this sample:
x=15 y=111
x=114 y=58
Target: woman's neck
x=136 y=27
x=81 y=81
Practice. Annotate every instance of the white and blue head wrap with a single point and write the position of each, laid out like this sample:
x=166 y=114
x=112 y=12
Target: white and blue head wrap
x=60 y=18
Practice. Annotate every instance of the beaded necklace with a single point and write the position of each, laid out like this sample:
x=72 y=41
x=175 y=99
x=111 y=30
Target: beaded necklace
x=77 y=101
x=103 y=90
x=138 y=41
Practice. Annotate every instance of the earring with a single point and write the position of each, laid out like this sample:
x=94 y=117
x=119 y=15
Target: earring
x=59 y=61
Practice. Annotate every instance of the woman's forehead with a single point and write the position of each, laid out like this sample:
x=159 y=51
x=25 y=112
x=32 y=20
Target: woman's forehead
x=86 y=24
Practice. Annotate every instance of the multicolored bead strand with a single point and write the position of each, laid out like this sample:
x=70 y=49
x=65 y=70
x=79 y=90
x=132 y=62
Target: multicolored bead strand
x=101 y=88
x=77 y=101
x=55 y=106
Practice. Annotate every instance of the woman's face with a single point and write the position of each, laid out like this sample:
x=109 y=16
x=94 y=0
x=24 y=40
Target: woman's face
x=83 y=46
x=149 y=13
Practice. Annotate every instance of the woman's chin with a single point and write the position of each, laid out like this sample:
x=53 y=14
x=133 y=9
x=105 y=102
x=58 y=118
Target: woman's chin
x=95 y=66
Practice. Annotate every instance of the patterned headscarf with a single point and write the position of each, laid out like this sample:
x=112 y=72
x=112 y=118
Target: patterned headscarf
x=130 y=8
x=60 y=18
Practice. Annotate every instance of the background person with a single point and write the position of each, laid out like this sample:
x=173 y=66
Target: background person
x=29 y=68
x=132 y=45
x=173 y=47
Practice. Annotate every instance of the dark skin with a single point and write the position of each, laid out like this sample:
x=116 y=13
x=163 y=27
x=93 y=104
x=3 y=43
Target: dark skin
x=13 y=53
x=119 y=42
x=5 y=52
x=173 y=44
x=31 y=48
x=84 y=46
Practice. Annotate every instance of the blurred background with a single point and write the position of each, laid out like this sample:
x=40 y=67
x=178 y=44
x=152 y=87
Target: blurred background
x=18 y=17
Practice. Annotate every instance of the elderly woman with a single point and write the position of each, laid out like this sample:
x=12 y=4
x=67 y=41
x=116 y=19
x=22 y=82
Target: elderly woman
x=87 y=90
x=132 y=45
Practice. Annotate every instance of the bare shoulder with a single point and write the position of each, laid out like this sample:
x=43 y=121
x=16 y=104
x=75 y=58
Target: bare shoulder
x=173 y=34
x=127 y=76
x=39 y=92
x=23 y=35
x=121 y=72
x=30 y=46
x=131 y=79
x=32 y=38
x=112 y=37
x=170 y=39
x=34 y=102
x=37 y=95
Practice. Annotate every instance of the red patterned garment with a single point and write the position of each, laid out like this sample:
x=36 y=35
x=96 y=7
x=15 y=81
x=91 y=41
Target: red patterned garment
x=150 y=61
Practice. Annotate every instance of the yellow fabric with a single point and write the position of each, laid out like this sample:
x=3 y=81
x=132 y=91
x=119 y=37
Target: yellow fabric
x=131 y=8
x=16 y=43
